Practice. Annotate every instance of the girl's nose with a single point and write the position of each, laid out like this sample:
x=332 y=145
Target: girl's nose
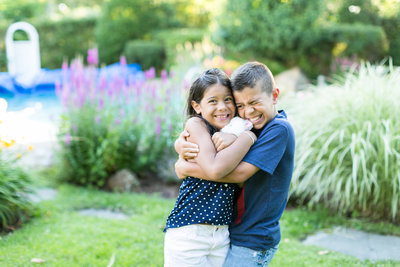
x=221 y=106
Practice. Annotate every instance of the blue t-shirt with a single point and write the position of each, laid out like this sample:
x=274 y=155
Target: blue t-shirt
x=264 y=195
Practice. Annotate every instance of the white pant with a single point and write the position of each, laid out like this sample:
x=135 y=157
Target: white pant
x=196 y=245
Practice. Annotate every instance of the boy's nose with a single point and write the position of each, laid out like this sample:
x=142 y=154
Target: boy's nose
x=249 y=110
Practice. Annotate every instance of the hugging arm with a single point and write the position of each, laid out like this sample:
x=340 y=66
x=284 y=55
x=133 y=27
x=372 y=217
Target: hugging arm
x=240 y=174
x=216 y=165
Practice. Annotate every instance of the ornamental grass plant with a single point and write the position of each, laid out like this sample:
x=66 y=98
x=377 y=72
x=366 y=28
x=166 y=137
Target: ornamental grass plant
x=348 y=144
x=116 y=121
x=15 y=185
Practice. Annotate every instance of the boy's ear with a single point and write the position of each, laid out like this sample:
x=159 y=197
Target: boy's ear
x=275 y=95
x=196 y=107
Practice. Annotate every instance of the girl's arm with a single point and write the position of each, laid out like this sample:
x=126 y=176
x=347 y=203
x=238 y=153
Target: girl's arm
x=217 y=165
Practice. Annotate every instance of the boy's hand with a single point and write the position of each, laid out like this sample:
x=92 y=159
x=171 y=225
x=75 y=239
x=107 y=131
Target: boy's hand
x=223 y=140
x=185 y=149
x=179 y=168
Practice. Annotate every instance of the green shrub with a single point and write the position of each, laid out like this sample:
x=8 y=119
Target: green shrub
x=118 y=122
x=279 y=30
x=64 y=39
x=366 y=41
x=173 y=37
x=147 y=53
x=15 y=184
x=348 y=145
x=125 y=20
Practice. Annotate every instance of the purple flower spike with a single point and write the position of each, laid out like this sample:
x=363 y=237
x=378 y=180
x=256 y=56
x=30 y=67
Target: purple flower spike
x=101 y=104
x=93 y=56
x=67 y=139
x=64 y=66
x=97 y=119
x=164 y=76
x=122 y=61
x=158 y=126
x=117 y=121
x=150 y=73
x=171 y=74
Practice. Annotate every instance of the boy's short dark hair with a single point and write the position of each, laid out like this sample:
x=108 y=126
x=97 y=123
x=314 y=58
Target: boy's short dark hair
x=252 y=74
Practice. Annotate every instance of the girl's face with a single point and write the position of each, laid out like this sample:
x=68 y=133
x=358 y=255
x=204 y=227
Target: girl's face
x=216 y=106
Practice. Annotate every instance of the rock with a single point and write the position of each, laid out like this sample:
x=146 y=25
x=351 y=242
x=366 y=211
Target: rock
x=123 y=181
x=166 y=168
x=291 y=81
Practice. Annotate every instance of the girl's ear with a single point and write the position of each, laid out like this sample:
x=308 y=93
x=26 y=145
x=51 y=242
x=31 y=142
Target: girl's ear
x=196 y=107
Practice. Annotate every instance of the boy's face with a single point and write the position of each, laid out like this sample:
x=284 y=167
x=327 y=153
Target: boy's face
x=256 y=105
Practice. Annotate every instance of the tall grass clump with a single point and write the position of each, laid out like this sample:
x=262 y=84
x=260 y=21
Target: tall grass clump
x=348 y=144
x=15 y=185
x=116 y=120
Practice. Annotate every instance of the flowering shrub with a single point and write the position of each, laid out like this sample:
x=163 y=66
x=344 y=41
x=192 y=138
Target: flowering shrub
x=114 y=121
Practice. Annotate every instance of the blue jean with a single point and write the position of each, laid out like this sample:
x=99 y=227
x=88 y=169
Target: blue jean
x=245 y=257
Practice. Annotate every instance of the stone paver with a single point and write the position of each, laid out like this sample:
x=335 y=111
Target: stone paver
x=103 y=214
x=358 y=244
x=41 y=194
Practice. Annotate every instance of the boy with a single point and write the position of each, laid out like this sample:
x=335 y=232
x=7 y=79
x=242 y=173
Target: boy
x=266 y=170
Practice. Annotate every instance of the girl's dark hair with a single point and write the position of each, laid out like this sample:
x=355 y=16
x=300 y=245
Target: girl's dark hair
x=200 y=85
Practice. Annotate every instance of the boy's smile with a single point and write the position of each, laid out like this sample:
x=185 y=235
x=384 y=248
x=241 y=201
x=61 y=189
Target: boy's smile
x=256 y=105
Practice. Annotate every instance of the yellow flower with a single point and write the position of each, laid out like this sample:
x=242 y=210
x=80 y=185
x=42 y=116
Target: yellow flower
x=19 y=156
x=30 y=148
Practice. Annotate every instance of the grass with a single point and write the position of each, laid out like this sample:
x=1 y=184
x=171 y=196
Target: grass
x=63 y=237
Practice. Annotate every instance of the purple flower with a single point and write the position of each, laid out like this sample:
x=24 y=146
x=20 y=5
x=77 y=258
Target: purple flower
x=164 y=76
x=101 y=104
x=64 y=66
x=158 y=126
x=121 y=113
x=97 y=119
x=117 y=121
x=171 y=74
x=122 y=61
x=93 y=56
x=67 y=139
x=150 y=73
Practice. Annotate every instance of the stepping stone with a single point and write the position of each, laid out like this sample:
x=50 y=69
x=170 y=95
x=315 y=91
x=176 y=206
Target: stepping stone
x=41 y=194
x=103 y=214
x=359 y=244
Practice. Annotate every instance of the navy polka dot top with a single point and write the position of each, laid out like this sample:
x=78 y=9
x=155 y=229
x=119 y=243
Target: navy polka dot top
x=202 y=202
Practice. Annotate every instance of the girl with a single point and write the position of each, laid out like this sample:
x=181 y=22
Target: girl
x=197 y=228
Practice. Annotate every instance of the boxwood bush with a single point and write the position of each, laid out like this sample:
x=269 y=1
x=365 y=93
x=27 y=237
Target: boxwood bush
x=348 y=145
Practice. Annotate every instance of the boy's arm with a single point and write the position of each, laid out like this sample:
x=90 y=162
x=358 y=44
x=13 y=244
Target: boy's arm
x=239 y=175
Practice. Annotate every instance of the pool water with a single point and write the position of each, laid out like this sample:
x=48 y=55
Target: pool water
x=30 y=118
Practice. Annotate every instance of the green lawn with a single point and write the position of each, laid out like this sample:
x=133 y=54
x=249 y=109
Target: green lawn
x=62 y=237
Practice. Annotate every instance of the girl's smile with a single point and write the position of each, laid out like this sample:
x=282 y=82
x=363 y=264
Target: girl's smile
x=217 y=106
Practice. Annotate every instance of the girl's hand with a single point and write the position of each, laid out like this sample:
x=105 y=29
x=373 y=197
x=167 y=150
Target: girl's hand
x=223 y=140
x=185 y=149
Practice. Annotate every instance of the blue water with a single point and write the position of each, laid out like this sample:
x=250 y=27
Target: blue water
x=46 y=104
